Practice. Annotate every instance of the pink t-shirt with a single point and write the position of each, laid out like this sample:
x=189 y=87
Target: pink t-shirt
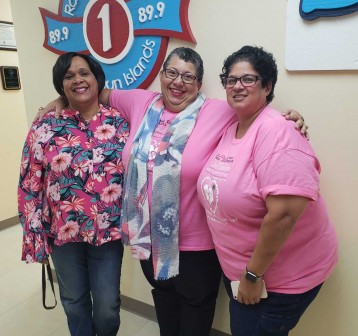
x=271 y=159
x=214 y=118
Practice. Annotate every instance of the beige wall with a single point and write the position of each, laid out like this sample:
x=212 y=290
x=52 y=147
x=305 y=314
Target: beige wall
x=328 y=101
x=13 y=130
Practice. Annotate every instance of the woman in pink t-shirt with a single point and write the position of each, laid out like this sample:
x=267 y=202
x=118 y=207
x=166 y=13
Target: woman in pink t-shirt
x=260 y=190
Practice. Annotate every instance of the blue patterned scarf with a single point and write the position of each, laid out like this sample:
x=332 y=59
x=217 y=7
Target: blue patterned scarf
x=156 y=232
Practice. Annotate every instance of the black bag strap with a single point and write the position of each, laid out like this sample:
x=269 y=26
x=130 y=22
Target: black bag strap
x=49 y=274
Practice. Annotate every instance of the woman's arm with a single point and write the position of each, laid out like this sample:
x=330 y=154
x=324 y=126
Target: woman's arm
x=104 y=96
x=282 y=214
x=32 y=212
x=60 y=103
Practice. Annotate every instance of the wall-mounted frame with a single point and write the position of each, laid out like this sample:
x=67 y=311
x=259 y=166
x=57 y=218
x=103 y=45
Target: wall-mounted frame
x=10 y=77
x=7 y=36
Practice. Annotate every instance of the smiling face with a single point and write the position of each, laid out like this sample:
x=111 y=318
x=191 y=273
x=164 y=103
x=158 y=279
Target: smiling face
x=246 y=100
x=80 y=85
x=176 y=94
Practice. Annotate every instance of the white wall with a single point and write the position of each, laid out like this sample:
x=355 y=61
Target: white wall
x=13 y=130
x=328 y=101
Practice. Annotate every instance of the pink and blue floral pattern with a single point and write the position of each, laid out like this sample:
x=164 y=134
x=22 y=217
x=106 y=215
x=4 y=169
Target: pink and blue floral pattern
x=70 y=187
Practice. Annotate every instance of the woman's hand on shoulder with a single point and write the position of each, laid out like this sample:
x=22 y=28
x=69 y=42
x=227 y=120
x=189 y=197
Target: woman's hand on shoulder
x=291 y=114
x=56 y=105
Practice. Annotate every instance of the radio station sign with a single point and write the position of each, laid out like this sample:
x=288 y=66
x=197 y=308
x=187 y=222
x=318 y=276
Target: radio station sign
x=129 y=38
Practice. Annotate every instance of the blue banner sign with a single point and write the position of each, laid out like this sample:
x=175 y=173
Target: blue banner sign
x=129 y=38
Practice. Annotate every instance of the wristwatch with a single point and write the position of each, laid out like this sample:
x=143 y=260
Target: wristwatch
x=252 y=276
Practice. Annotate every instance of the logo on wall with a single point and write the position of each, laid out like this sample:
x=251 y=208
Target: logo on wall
x=129 y=38
x=313 y=9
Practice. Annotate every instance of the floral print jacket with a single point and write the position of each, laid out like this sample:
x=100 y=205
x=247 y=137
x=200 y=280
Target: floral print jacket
x=71 y=181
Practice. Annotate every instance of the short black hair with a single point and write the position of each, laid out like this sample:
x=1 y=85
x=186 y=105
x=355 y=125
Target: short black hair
x=63 y=63
x=262 y=61
x=187 y=55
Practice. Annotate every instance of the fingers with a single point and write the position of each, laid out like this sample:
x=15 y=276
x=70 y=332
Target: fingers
x=302 y=127
x=44 y=261
x=248 y=301
x=299 y=121
x=58 y=112
x=304 y=132
x=43 y=110
x=295 y=116
x=286 y=113
x=292 y=115
x=39 y=115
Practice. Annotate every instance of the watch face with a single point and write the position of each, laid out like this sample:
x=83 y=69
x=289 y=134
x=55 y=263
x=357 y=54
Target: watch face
x=251 y=276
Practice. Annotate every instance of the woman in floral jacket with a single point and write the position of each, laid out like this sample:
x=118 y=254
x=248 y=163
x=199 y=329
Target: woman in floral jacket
x=70 y=197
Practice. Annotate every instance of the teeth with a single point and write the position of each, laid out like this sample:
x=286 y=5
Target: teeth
x=80 y=90
x=176 y=91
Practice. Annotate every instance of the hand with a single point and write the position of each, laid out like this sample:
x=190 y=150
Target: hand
x=291 y=114
x=44 y=261
x=56 y=105
x=249 y=293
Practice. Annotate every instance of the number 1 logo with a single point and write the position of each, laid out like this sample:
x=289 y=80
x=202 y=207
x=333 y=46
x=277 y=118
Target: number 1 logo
x=108 y=30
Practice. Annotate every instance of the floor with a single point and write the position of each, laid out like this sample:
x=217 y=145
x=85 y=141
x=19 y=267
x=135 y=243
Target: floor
x=21 y=311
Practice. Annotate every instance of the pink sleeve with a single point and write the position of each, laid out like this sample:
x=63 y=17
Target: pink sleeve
x=289 y=172
x=128 y=102
x=31 y=193
x=284 y=161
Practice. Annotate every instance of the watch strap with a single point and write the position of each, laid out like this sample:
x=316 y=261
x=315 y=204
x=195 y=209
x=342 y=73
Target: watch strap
x=251 y=276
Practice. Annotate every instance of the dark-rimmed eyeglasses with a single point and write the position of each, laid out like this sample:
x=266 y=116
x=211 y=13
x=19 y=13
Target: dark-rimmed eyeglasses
x=245 y=80
x=186 y=77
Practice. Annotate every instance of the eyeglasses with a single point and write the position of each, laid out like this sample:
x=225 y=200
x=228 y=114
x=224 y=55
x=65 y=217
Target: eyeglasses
x=245 y=80
x=186 y=78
